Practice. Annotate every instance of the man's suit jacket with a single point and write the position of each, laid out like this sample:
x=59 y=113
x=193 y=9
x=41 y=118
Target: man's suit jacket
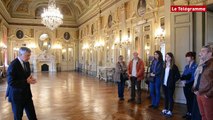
x=18 y=89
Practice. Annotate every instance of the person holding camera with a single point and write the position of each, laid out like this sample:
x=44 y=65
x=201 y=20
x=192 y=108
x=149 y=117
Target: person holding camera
x=120 y=69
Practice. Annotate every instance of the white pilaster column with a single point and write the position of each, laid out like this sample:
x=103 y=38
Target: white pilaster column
x=167 y=14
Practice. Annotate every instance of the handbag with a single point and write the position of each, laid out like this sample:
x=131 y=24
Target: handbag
x=151 y=79
x=148 y=77
x=124 y=75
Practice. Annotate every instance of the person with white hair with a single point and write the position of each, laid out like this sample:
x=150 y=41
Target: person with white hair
x=136 y=74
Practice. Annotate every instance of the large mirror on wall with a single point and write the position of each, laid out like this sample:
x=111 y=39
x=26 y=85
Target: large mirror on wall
x=128 y=55
x=108 y=53
x=90 y=57
x=147 y=44
x=137 y=44
x=44 y=42
x=94 y=57
x=64 y=54
x=67 y=54
x=70 y=54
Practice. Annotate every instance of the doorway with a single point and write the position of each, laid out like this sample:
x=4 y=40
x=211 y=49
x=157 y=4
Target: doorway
x=44 y=68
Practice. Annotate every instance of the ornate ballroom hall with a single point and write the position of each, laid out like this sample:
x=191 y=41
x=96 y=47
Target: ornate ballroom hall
x=76 y=47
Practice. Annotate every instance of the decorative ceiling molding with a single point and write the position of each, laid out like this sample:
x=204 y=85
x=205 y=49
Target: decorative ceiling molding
x=103 y=5
x=3 y=11
x=6 y=2
x=76 y=12
x=31 y=9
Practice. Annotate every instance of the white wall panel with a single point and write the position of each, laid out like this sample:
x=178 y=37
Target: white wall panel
x=181 y=43
x=209 y=27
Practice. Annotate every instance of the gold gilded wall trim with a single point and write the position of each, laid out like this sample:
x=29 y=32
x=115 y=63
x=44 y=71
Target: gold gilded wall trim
x=64 y=26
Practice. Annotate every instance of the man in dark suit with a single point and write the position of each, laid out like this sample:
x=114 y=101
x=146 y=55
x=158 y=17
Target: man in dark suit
x=19 y=79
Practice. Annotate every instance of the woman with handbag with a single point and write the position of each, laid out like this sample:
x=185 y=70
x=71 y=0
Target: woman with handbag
x=156 y=68
x=170 y=76
x=120 y=77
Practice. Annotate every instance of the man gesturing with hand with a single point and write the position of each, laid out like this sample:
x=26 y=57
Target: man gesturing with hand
x=31 y=80
x=19 y=79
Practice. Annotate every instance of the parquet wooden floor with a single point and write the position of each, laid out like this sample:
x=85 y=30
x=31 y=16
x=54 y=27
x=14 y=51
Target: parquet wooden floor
x=75 y=96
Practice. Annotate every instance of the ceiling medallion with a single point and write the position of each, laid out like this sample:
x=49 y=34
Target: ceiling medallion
x=52 y=17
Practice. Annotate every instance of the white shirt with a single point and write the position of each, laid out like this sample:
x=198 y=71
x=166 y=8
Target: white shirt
x=134 y=70
x=22 y=64
x=166 y=75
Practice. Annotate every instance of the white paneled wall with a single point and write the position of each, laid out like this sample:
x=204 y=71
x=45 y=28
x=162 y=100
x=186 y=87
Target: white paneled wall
x=209 y=27
x=182 y=43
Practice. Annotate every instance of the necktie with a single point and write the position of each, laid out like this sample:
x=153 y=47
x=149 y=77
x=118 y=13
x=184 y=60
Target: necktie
x=25 y=66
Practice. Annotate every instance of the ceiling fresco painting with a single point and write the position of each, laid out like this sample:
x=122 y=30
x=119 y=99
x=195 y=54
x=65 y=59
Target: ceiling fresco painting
x=71 y=9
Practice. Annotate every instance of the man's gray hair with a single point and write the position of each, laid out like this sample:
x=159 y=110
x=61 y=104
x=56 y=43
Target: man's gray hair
x=23 y=50
x=209 y=47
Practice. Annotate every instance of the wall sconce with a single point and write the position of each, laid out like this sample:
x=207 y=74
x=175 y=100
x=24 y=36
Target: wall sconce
x=16 y=49
x=32 y=46
x=45 y=44
x=99 y=44
x=160 y=36
x=147 y=48
x=124 y=41
x=57 y=46
x=69 y=49
x=3 y=46
x=113 y=47
x=117 y=42
x=64 y=50
x=85 y=46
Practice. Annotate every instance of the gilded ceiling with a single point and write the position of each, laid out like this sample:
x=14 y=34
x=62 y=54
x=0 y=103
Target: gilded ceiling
x=71 y=9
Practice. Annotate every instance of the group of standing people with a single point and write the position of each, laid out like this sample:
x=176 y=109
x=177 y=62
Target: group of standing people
x=197 y=81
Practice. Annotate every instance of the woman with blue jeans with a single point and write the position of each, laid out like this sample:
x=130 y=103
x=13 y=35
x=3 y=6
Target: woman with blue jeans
x=119 y=69
x=155 y=71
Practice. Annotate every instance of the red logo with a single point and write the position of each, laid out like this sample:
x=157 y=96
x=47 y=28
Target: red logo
x=175 y=8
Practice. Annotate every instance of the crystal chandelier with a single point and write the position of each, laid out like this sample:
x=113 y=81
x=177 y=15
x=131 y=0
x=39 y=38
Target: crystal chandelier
x=52 y=17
